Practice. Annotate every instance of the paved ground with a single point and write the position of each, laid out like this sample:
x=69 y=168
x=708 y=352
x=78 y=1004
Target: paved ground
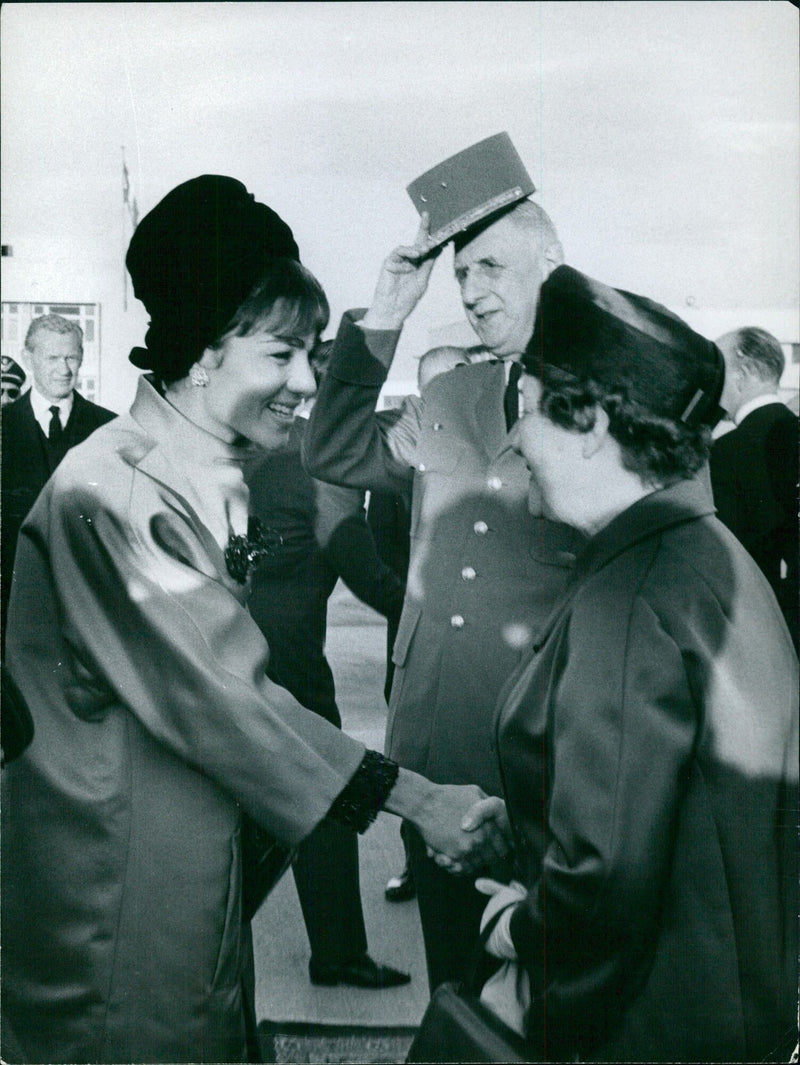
x=356 y=651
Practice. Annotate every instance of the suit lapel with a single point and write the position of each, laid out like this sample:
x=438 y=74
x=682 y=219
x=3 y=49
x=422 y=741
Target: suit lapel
x=79 y=425
x=28 y=426
x=25 y=463
x=34 y=441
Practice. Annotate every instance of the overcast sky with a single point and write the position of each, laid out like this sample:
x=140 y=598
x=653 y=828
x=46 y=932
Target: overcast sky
x=662 y=137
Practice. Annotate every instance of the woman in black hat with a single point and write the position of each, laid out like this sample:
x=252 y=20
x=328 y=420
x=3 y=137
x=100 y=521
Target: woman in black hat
x=648 y=743
x=156 y=726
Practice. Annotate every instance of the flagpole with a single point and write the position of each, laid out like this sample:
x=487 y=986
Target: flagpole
x=125 y=191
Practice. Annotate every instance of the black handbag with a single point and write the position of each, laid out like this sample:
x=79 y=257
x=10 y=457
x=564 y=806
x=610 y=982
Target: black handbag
x=264 y=861
x=458 y=1027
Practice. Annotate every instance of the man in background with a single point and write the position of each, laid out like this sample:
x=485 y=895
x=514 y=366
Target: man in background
x=42 y=426
x=754 y=468
x=13 y=378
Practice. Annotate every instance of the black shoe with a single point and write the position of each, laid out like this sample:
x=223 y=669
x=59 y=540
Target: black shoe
x=361 y=972
x=401 y=888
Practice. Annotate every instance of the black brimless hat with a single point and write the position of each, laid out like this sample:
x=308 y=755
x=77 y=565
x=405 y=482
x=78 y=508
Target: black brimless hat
x=626 y=343
x=193 y=260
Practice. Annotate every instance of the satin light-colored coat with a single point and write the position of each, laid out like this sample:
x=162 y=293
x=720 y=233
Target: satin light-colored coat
x=155 y=727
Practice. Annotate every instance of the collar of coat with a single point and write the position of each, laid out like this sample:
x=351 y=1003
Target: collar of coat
x=665 y=508
x=205 y=474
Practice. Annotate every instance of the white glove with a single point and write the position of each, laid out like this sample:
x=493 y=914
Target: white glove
x=503 y=899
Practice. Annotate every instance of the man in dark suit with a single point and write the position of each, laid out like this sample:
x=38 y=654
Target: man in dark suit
x=754 y=467
x=41 y=426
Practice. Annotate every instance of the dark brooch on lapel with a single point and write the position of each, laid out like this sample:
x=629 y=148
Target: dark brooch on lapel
x=243 y=552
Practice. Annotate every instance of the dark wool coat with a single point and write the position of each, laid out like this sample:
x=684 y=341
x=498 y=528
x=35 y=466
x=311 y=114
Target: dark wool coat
x=649 y=750
x=754 y=471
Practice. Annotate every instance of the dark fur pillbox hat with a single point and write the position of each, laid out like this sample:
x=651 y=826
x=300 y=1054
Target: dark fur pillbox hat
x=193 y=260
x=627 y=344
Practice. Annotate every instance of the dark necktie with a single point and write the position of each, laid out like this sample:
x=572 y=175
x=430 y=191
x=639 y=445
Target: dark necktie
x=55 y=433
x=511 y=398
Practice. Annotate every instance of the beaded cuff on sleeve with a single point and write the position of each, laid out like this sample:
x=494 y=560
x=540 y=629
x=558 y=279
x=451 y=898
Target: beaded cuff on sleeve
x=358 y=804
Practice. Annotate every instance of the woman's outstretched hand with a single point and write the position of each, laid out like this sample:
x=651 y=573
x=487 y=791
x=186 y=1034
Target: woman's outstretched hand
x=402 y=282
x=486 y=826
x=464 y=828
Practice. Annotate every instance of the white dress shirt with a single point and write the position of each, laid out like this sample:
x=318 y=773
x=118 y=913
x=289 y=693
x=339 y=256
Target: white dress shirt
x=42 y=412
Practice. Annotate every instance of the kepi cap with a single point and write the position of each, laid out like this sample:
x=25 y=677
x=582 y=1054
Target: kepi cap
x=470 y=186
x=12 y=372
x=626 y=343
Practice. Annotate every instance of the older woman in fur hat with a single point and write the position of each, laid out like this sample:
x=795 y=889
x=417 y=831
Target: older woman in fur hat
x=156 y=728
x=649 y=741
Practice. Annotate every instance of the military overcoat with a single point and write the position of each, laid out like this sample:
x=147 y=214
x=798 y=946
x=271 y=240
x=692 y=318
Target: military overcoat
x=484 y=572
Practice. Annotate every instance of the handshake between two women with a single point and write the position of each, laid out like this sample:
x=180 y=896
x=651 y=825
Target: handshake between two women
x=464 y=829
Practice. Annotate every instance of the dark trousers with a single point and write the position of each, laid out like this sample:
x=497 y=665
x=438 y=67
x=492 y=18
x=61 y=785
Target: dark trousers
x=292 y=616
x=326 y=874
x=450 y=913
